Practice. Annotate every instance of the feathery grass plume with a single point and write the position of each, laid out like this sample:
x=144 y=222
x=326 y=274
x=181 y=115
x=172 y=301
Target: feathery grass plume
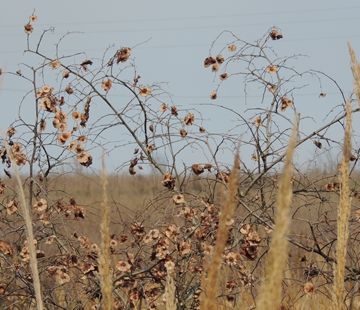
x=343 y=217
x=271 y=291
x=356 y=72
x=105 y=276
x=170 y=292
x=25 y=208
x=208 y=300
x=29 y=229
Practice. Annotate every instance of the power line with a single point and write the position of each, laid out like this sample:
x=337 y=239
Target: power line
x=186 y=45
x=195 y=17
x=201 y=27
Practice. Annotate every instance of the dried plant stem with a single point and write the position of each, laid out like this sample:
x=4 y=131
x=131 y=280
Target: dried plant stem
x=271 y=291
x=343 y=217
x=29 y=230
x=105 y=276
x=25 y=208
x=208 y=302
x=170 y=292
x=356 y=72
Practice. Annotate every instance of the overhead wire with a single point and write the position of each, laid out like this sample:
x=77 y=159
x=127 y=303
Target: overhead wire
x=146 y=29
x=196 y=96
x=197 y=27
x=190 y=45
x=227 y=26
x=195 y=17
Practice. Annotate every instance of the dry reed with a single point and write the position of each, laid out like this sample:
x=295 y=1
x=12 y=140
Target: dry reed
x=211 y=285
x=271 y=291
x=104 y=257
x=29 y=232
x=356 y=72
x=170 y=292
x=344 y=207
x=29 y=229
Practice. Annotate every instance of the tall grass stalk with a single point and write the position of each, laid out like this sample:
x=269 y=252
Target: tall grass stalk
x=170 y=292
x=271 y=291
x=343 y=217
x=105 y=276
x=25 y=208
x=356 y=72
x=208 y=301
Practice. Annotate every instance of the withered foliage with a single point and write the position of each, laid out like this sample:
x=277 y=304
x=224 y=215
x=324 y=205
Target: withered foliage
x=168 y=181
x=209 y=61
x=123 y=54
x=168 y=227
x=285 y=103
x=275 y=35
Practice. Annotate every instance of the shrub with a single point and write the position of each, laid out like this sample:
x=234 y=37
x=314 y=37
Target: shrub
x=181 y=222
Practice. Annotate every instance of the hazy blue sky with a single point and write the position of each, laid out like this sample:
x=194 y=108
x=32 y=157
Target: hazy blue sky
x=179 y=35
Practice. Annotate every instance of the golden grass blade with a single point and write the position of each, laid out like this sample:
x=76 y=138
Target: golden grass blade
x=105 y=276
x=170 y=292
x=208 y=301
x=25 y=208
x=343 y=217
x=356 y=72
x=271 y=291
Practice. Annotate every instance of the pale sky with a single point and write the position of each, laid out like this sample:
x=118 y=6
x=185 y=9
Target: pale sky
x=176 y=37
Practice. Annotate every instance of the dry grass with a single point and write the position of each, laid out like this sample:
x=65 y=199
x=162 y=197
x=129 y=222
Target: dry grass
x=29 y=229
x=343 y=217
x=170 y=293
x=104 y=257
x=209 y=299
x=161 y=236
x=30 y=236
x=356 y=72
x=270 y=297
x=344 y=207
